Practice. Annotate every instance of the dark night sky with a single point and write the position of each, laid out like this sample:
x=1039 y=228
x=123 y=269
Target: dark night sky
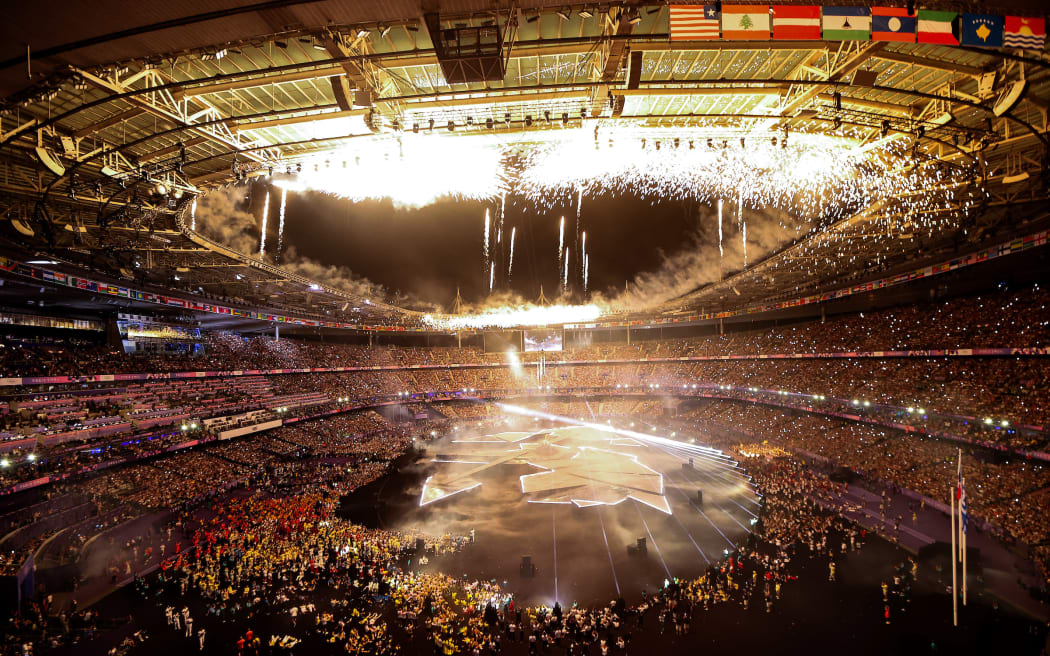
x=427 y=252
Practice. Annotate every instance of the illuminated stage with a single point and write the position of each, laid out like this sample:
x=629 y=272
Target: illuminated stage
x=574 y=499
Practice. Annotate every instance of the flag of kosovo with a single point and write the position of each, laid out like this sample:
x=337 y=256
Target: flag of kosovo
x=982 y=30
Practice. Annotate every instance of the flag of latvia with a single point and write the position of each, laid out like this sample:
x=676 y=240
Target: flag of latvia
x=937 y=27
x=798 y=23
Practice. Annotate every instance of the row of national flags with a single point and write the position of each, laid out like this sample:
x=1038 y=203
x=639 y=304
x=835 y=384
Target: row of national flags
x=812 y=22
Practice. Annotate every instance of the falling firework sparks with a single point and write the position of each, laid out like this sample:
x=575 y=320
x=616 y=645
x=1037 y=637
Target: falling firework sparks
x=583 y=261
x=485 y=245
x=502 y=203
x=492 y=276
x=740 y=224
x=510 y=264
x=586 y=270
x=720 y=251
x=266 y=214
x=565 y=279
x=561 y=241
x=280 y=224
x=579 y=207
x=193 y=215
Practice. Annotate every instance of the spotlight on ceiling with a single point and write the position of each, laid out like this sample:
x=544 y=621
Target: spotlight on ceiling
x=451 y=126
x=528 y=121
x=585 y=14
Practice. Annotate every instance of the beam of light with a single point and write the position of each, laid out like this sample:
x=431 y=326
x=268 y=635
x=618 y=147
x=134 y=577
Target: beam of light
x=608 y=551
x=653 y=540
x=280 y=225
x=510 y=262
x=193 y=214
x=492 y=275
x=265 y=216
x=520 y=315
x=714 y=456
x=499 y=232
x=554 y=532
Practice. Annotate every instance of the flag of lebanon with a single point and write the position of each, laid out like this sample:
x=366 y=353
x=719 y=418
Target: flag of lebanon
x=745 y=22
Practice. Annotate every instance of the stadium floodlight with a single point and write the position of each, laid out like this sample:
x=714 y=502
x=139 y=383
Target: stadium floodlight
x=585 y=14
x=562 y=14
x=362 y=33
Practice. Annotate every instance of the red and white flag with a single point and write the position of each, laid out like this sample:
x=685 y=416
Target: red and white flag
x=796 y=22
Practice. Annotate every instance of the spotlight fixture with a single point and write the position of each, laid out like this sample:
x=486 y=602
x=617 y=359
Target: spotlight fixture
x=489 y=123
x=547 y=115
x=885 y=129
x=506 y=118
x=299 y=167
x=161 y=189
x=565 y=118
x=583 y=113
x=585 y=14
x=415 y=128
x=563 y=14
x=470 y=120
x=431 y=124
x=451 y=126
x=528 y=120
x=269 y=171
x=633 y=17
x=362 y=33
x=281 y=44
x=837 y=122
x=383 y=31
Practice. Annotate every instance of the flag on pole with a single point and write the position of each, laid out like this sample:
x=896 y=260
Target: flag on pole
x=1024 y=32
x=982 y=30
x=936 y=27
x=847 y=24
x=694 y=22
x=892 y=24
x=796 y=22
x=745 y=22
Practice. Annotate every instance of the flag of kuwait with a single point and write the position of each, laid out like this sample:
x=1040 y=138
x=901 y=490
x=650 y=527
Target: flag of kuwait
x=892 y=24
x=936 y=27
x=796 y=22
x=847 y=24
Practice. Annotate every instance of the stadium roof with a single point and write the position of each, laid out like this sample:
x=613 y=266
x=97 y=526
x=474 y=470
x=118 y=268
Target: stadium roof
x=195 y=95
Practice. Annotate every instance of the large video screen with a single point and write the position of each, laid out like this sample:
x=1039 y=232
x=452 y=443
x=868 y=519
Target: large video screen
x=543 y=340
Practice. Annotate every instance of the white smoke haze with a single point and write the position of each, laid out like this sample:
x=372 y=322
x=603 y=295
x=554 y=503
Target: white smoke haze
x=220 y=218
x=697 y=263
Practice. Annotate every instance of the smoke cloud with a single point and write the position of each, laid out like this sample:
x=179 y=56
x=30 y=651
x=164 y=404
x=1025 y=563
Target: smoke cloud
x=699 y=262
